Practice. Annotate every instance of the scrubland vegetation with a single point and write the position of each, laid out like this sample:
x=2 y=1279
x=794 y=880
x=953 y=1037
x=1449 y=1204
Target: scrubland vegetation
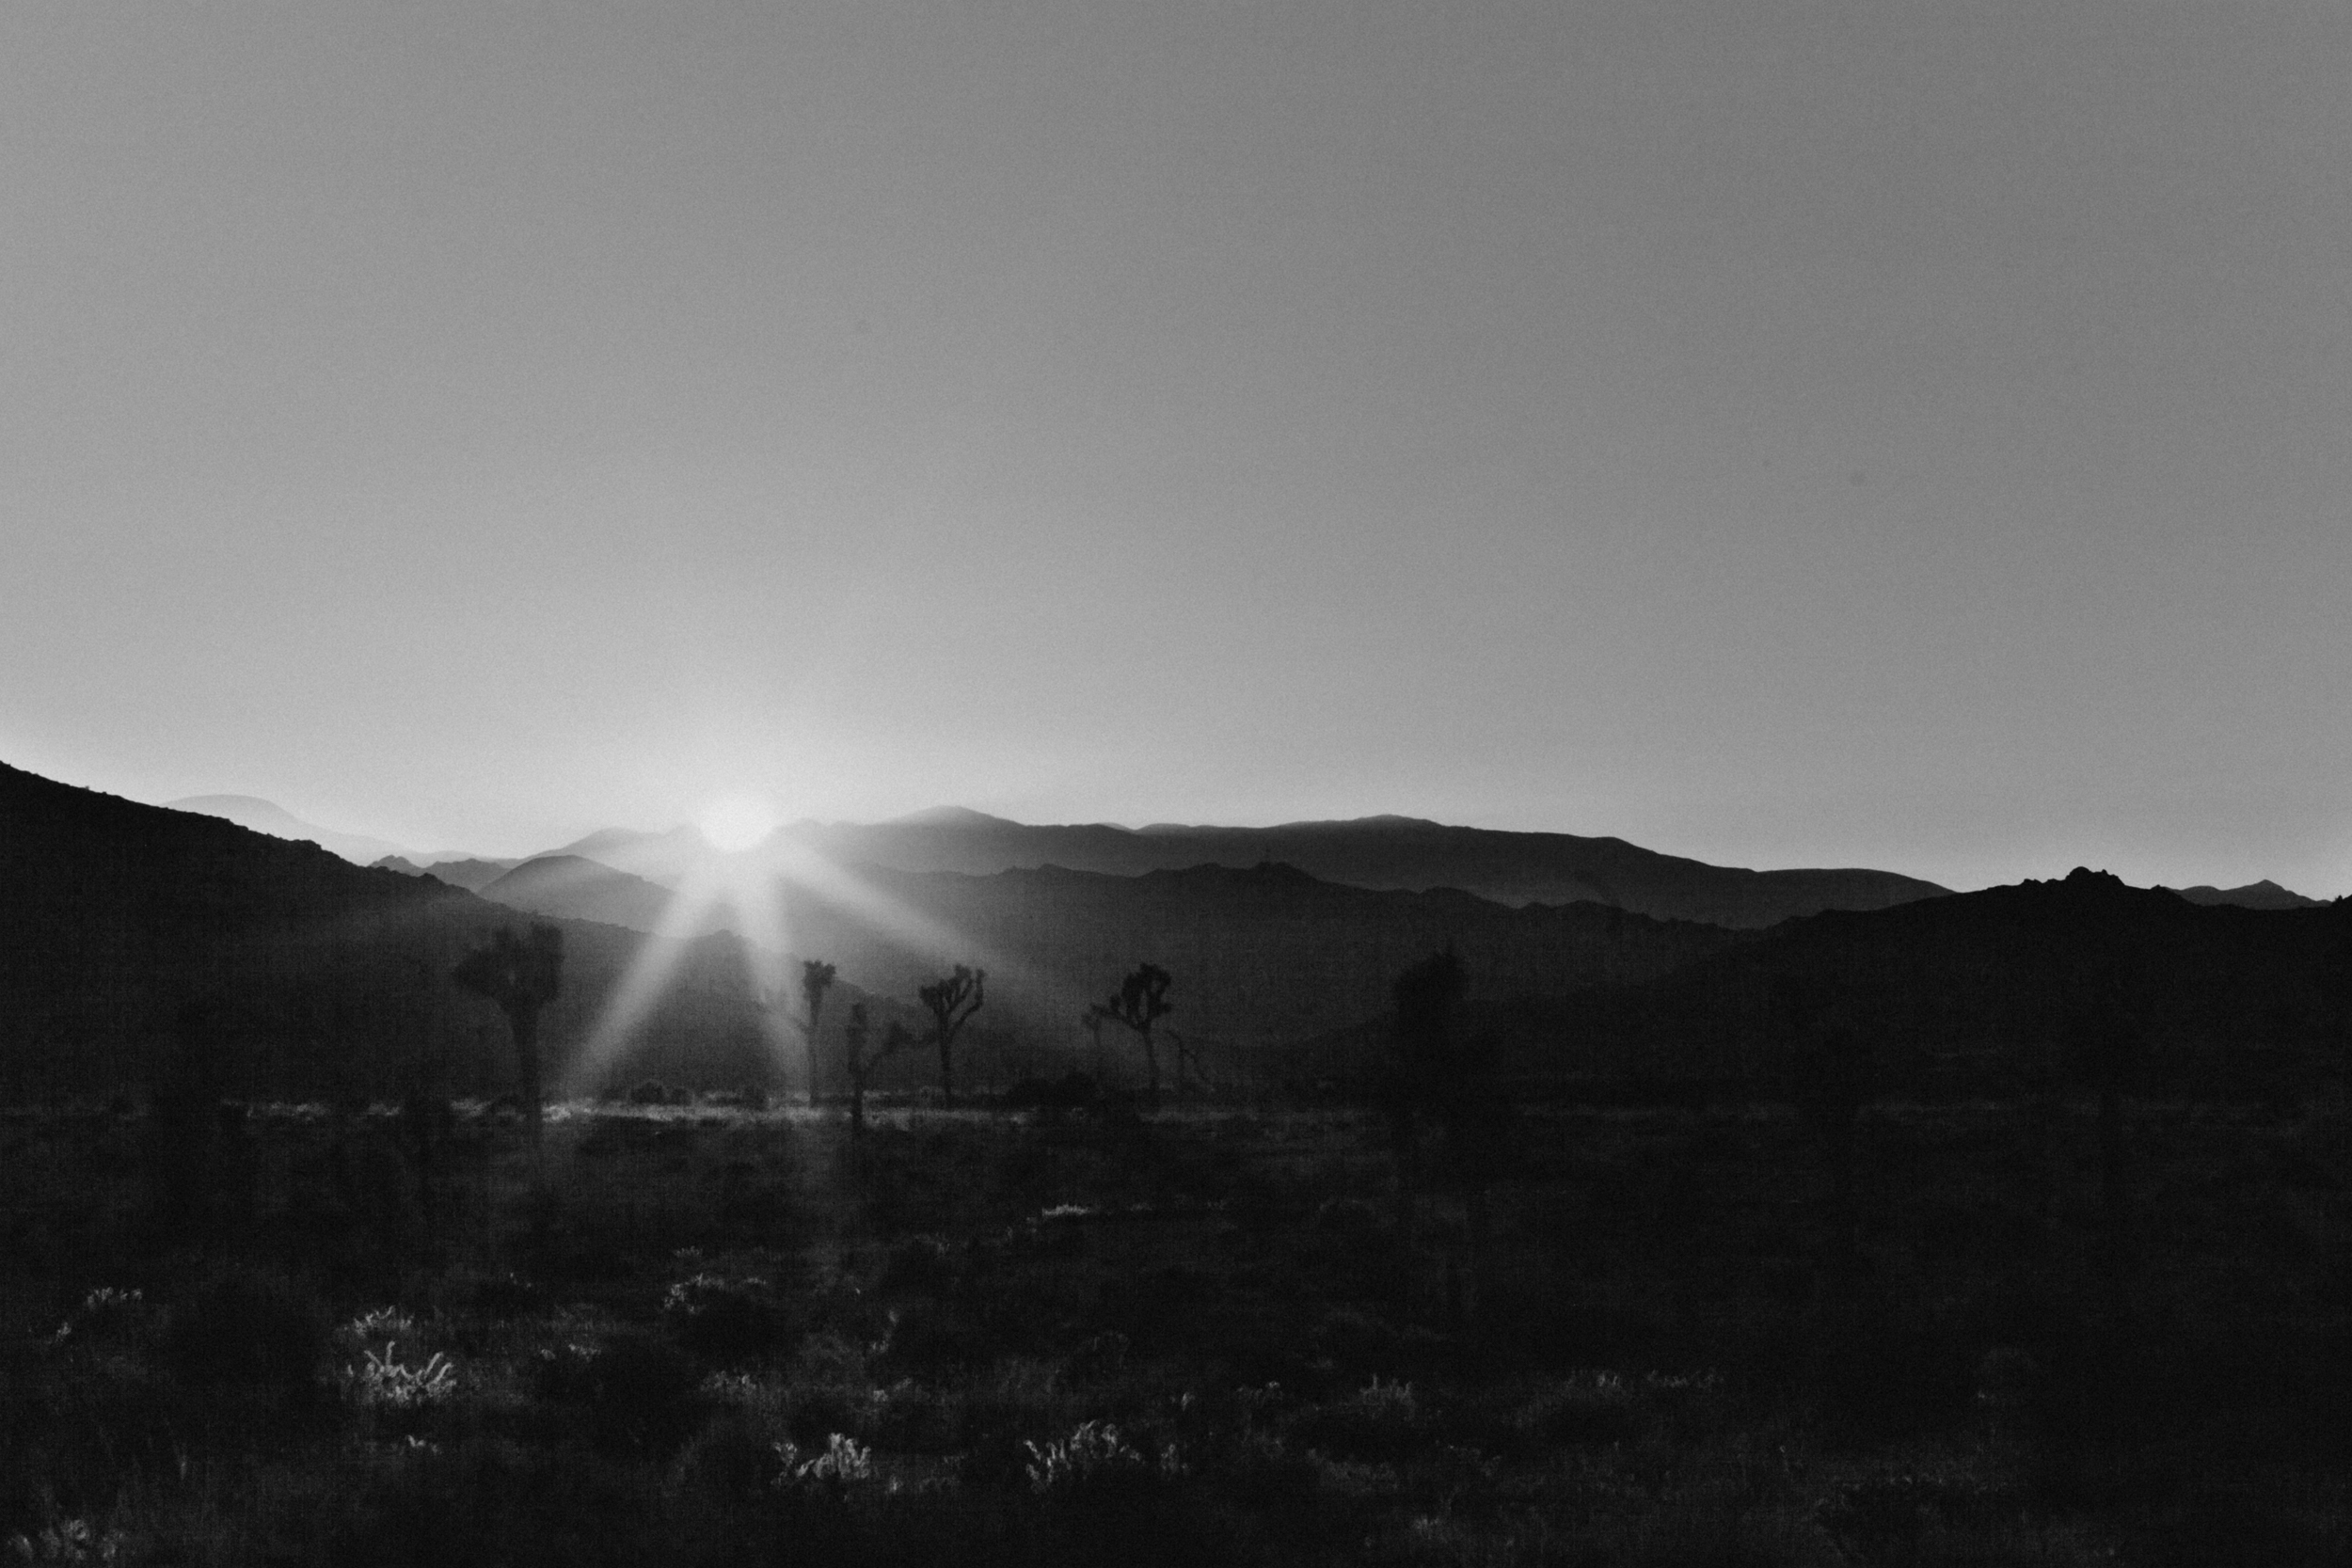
x=1743 y=1333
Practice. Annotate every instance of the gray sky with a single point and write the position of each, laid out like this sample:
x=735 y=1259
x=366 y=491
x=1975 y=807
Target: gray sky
x=1906 y=435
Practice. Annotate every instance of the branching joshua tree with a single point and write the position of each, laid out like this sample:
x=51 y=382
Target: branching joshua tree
x=860 y=1066
x=951 y=1002
x=1140 y=1001
x=817 y=978
x=522 y=975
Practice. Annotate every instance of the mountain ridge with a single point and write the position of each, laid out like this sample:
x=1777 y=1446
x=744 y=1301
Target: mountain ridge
x=1390 y=852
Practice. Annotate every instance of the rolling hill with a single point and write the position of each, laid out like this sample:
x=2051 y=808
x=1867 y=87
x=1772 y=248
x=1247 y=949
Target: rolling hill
x=335 y=977
x=1981 y=988
x=1382 y=853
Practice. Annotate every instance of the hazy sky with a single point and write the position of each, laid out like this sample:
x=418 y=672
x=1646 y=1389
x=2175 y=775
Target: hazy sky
x=1906 y=435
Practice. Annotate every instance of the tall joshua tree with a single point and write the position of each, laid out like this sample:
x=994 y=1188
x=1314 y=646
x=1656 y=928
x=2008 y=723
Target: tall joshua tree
x=1140 y=1001
x=860 y=1066
x=817 y=978
x=522 y=975
x=951 y=1002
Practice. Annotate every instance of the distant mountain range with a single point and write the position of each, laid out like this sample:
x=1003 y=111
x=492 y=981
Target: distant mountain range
x=1377 y=852
x=337 y=976
x=1382 y=853
x=1260 y=957
x=1981 y=988
x=334 y=978
x=2253 y=896
x=575 y=888
x=265 y=817
x=472 y=874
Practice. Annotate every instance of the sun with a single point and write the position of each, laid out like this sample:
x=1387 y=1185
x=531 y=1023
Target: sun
x=736 y=823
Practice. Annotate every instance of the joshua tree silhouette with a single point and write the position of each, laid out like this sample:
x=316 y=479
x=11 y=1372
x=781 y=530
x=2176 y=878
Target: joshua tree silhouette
x=1140 y=1001
x=817 y=978
x=860 y=1066
x=522 y=975
x=951 y=1001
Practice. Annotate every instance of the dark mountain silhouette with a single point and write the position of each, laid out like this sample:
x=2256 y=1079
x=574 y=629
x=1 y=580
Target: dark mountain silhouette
x=626 y=849
x=335 y=977
x=1260 y=955
x=2253 y=896
x=468 y=873
x=576 y=888
x=1377 y=852
x=1979 y=987
x=263 y=817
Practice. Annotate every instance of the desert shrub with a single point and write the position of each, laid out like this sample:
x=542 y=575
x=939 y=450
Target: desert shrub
x=248 y=1327
x=388 y=1372
x=841 y=1463
x=69 y=1542
x=813 y=1410
x=1093 y=1454
x=106 y=1316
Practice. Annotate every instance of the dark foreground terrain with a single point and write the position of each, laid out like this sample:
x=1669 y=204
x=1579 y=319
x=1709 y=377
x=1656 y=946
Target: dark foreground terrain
x=1973 y=1333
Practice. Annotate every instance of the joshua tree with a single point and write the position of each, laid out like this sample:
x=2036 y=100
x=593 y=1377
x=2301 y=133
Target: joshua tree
x=816 y=979
x=522 y=975
x=951 y=1002
x=860 y=1066
x=1140 y=1001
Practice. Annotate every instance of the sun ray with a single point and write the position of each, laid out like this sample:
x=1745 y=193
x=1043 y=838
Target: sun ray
x=765 y=943
x=642 y=984
x=753 y=887
x=933 y=940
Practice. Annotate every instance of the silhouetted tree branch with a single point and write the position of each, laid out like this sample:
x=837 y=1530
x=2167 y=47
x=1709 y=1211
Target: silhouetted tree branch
x=860 y=1066
x=951 y=1002
x=1140 y=1001
x=817 y=978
